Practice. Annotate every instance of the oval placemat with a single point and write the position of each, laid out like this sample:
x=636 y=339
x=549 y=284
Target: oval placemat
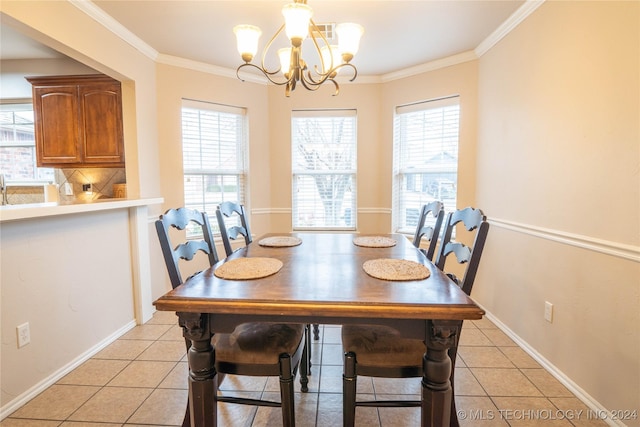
x=248 y=268
x=374 y=241
x=395 y=269
x=280 y=241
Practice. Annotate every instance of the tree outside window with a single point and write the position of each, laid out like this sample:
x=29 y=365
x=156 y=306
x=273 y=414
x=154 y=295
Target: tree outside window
x=324 y=169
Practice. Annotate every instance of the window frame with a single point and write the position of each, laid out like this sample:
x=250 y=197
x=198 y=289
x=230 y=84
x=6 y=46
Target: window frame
x=443 y=173
x=211 y=176
x=298 y=173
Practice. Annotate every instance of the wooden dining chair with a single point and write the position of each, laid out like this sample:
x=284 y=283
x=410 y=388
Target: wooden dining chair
x=226 y=213
x=428 y=232
x=255 y=349
x=380 y=351
x=230 y=210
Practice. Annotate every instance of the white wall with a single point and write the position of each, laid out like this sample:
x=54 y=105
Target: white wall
x=13 y=84
x=69 y=277
x=558 y=175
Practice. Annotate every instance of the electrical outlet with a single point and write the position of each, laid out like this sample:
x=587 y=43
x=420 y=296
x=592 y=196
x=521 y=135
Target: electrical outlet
x=548 y=311
x=68 y=189
x=24 y=335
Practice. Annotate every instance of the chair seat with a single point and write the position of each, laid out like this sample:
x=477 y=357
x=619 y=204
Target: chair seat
x=256 y=344
x=382 y=346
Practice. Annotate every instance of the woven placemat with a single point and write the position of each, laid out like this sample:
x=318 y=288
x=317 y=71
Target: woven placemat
x=395 y=269
x=280 y=241
x=248 y=268
x=374 y=241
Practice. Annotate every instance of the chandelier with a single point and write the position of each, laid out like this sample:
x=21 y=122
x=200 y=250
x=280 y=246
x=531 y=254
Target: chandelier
x=299 y=26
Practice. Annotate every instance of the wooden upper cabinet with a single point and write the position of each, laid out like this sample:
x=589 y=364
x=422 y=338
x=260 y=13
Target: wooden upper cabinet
x=78 y=121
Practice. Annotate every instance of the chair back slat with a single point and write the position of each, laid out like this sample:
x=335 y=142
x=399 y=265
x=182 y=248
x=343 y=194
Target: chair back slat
x=228 y=210
x=427 y=232
x=462 y=252
x=236 y=231
x=472 y=219
x=179 y=219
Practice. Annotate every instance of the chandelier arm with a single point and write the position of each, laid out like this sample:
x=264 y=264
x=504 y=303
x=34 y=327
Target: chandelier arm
x=266 y=49
x=315 y=29
x=312 y=81
x=308 y=79
x=313 y=85
x=310 y=85
x=335 y=83
x=265 y=73
x=348 y=64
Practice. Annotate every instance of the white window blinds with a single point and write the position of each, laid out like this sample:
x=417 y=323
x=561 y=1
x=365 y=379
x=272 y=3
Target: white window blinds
x=324 y=169
x=425 y=159
x=214 y=147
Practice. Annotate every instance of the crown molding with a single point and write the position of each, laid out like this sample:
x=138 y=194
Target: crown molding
x=118 y=29
x=507 y=26
x=430 y=66
x=115 y=27
x=207 y=68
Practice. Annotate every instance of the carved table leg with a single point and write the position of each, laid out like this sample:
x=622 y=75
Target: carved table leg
x=203 y=384
x=436 y=388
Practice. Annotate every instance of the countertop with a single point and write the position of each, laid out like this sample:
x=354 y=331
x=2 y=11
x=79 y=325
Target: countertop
x=38 y=210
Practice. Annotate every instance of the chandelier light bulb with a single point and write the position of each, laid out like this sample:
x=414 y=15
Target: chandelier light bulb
x=330 y=57
x=247 y=37
x=285 y=60
x=349 y=39
x=296 y=22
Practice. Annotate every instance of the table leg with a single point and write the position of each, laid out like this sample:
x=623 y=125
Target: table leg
x=436 y=388
x=203 y=382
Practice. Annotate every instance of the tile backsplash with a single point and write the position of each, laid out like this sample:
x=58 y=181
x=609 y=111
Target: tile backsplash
x=101 y=180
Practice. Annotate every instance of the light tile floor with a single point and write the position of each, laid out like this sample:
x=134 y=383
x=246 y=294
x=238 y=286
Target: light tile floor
x=141 y=380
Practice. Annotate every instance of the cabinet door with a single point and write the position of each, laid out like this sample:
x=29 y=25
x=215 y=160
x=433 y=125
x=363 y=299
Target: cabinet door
x=101 y=124
x=56 y=118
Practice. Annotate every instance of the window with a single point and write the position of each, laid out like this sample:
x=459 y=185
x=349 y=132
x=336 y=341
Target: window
x=323 y=145
x=425 y=159
x=18 y=145
x=214 y=146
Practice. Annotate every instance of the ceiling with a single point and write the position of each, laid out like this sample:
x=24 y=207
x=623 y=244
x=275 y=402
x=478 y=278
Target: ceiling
x=398 y=34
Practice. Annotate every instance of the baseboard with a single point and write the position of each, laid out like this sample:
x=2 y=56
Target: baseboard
x=587 y=399
x=25 y=397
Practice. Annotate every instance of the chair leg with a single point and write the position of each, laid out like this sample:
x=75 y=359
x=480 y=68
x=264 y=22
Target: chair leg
x=186 y=421
x=316 y=337
x=305 y=363
x=453 y=418
x=349 y=382
x=309 y=345
x=286 y=391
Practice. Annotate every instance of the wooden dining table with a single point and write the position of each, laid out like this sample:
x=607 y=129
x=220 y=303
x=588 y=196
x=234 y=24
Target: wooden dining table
x=322 y=281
